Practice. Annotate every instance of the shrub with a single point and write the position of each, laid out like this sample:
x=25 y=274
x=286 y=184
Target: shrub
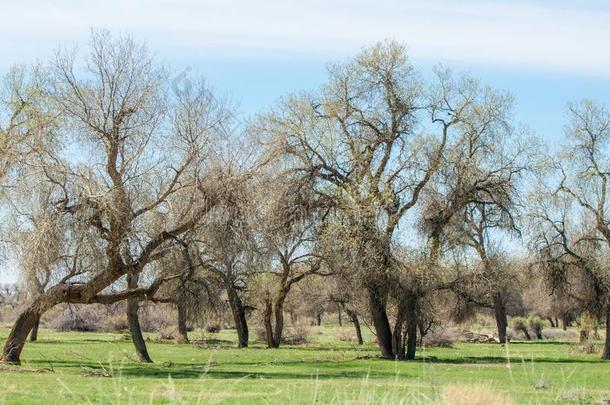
x=70 y=321
x=588 y=327
x=586 y=348
x=296 y=335
x=346 y=336
x=260 y=333
x=212 y=328
x=116 y=322
x=441 y=337
x=520 y=325
x=537 y=324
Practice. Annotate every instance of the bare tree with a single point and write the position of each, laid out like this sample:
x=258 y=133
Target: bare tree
x=132 y=146
x=363 y=144
x=574 y=227
x=285 y=221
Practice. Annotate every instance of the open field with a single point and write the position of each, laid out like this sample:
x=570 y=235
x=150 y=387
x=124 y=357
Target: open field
x=100 y=368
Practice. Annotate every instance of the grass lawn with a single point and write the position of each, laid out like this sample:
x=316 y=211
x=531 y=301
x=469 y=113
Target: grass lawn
x=100 y=368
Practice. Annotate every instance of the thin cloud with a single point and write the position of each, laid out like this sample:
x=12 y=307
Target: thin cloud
x=540 y=34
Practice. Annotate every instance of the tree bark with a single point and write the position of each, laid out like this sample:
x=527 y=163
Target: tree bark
x=397 y=342
x=606 y=353
x=182 y=329
x=133 y=305
x=18 y=335
x=354 y=318
x=34 y=332
x=381 y=323
x=267 y=313
x=239 y=317
x=278 y=308
x=411 y=328
x=551 y=322
x=339 y=316
x=501 y=319
x=318 y=318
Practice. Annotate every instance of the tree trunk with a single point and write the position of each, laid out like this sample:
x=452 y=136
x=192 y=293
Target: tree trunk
x=318 y=318
x=606 y=353
x=551 y=322
x=381 y=323
x=18 y=335
x=57 y=294
x=584 y=336
x=239 y=317
x=339 y=316
x=354 y=317
x=133 y=305
x=411 y=328
x=279 y=319
x=501 y=319
x=34 y=332
x=527 y=334
x=397 y=341
x=182 y=330
x=267 y=312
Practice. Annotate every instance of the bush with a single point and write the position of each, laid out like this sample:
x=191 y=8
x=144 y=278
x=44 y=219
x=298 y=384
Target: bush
x=537 y=324
x=441 y=337
x=116 y=322
x=260 y=333
x=588 y=327
x=212 y=328
x=297 y=335
x=71 y=321
x=346 y=336
x=521 y=325
x=586 y=348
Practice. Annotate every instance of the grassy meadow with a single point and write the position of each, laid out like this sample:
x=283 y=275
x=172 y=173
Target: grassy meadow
x=100 y=368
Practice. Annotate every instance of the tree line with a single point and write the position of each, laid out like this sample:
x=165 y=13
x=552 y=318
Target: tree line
x=124 y=181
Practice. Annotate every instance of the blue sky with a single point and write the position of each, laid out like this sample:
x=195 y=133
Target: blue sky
x=546 y=52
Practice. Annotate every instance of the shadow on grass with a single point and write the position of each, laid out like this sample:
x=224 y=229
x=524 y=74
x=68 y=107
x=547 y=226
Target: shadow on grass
x=514 y=359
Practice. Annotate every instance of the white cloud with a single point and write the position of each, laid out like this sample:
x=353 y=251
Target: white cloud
x=541 y=34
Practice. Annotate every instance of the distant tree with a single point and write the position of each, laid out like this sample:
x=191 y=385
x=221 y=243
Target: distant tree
x=572 y=236
x=286 y=222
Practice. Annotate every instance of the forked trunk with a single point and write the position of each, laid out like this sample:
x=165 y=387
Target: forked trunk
x=133 y=305
x=34 y=332
x=239 y=317
x=501 y=319
x=381 y=323
x=182 y=329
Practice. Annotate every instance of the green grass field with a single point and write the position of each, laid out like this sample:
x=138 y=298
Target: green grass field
x=100 y=368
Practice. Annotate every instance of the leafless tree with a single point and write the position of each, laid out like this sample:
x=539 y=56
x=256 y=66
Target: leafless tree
x=132 y=146
x=360 y=142
x=573 y=237
x=285 y=221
